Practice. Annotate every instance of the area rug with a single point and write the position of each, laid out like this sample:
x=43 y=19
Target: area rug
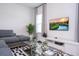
x=20 y=51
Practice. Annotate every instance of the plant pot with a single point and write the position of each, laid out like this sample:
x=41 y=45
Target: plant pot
x=31 y=37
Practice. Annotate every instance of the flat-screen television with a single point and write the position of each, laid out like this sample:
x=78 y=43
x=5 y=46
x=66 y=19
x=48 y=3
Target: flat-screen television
x=59 y=24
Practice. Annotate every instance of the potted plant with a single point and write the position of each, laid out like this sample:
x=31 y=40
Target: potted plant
x=30 y=30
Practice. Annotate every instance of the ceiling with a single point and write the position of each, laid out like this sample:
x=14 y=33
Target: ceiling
x=31 y=4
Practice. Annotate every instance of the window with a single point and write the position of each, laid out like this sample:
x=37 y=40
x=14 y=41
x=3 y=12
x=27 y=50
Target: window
x=39 y=17
x=39 y=23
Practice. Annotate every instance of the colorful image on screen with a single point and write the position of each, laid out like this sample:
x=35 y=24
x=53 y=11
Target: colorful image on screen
x=60 y=24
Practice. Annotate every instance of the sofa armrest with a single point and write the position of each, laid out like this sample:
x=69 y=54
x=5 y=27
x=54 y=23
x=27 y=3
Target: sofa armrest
x=3 y=44
x=5 y=52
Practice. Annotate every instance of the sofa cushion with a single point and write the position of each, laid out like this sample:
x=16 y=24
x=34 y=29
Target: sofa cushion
x=7 y=35
x=5 y=52
x=6 y=31
x=10 y=39
x=3 y=44
x=23 y=38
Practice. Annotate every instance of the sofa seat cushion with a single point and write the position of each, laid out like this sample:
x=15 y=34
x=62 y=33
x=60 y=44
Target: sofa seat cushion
x=23 y=38
x=10 y=39
x=3 y=44
x=5 y=52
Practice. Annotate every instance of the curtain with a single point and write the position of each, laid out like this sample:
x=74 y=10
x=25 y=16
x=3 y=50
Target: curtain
x=38 y=11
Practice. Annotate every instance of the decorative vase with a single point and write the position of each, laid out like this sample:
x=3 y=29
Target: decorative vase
x=31 y=37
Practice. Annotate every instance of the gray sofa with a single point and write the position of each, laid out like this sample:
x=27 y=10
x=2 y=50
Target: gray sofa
x=8 y=37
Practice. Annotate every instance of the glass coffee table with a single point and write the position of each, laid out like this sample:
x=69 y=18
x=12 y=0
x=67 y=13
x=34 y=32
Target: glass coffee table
x=46 y=50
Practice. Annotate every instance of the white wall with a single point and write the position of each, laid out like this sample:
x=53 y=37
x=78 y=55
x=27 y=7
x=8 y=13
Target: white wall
x=15 y=17
x=63 y=10
x=56 y=10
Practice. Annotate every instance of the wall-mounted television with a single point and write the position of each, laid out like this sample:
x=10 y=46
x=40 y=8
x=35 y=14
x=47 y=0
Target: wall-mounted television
x=59 y=24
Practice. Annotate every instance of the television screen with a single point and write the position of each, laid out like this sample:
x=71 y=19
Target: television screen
x=60 y=24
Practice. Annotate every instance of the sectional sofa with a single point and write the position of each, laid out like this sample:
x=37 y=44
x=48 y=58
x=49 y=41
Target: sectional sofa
x=8 y=37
